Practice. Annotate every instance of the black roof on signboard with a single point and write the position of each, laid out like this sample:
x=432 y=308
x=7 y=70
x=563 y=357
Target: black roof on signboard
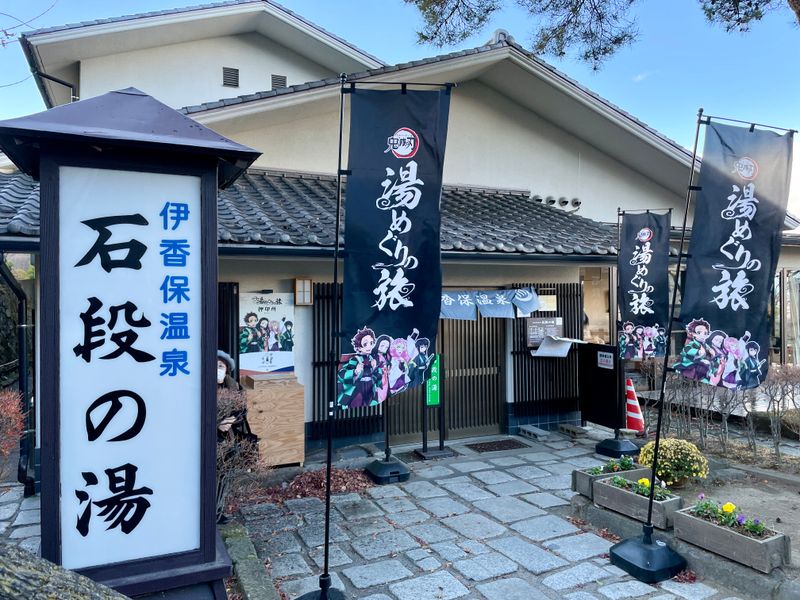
x=128 y=117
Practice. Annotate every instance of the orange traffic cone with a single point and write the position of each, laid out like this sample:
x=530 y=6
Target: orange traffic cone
x=635 y=419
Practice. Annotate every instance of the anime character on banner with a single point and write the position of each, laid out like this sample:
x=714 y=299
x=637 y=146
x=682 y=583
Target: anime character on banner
x=715 y=358
x=380 y=366
x=639 y=342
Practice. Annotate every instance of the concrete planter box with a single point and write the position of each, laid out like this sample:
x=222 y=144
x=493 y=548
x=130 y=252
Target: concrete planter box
x=583 y=482
x=761 y=554
x=635 y=506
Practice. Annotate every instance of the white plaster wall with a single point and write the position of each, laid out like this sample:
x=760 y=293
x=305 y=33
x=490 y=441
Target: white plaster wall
x=789 y=257
x=190 y=73
x=255 y=274
x=492 y=142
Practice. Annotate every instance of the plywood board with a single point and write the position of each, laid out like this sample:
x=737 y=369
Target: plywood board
x=276 y=414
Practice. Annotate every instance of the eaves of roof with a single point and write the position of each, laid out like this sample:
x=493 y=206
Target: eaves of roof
x=187 y=9
x=498 y=43
x=27 y=38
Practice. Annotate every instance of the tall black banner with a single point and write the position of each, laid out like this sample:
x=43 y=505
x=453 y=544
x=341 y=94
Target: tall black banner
x=393 y=276
x=736 y=235
x=642 y=265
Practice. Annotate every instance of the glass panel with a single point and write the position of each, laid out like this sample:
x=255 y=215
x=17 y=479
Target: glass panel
x=595 y=304
x=792 y=315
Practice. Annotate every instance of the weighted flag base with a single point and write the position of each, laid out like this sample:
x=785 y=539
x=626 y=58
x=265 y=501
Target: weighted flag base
x=387 y=471
x=325 y=591
x=646 y=559
x=331 y=594
x=616 y=448
x=434 y=453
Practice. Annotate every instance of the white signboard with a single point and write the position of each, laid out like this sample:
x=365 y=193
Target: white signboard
x=130 y=379
x=266 y=333
x=605 y=360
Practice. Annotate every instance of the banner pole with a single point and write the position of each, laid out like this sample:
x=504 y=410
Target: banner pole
x=621 y=391
x=618 y=447
x=641 y=557
x=425 y=419
x=325 y=591
x=387 y=451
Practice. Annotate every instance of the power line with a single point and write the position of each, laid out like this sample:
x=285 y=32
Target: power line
x=5 y=85
x=29 y=22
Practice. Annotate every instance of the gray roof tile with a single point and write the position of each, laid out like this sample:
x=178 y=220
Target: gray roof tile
x=19 y=205
x=298 y=210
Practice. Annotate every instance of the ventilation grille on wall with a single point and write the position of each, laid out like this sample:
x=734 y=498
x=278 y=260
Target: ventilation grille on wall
x=230 y=77
x=278 y=81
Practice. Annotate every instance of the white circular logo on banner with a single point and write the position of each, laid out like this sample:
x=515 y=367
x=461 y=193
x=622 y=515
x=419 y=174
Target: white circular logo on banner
x=645 y=235
x=746 y=167
x=403 y=143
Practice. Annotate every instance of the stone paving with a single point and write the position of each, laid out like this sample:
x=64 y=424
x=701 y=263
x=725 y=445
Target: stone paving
x=19 y=518
x=491 y=526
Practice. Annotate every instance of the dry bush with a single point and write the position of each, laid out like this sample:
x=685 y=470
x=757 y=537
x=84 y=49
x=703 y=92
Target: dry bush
x=237 y=449
x=791 y=420
x=12 y=426
x=781 y=392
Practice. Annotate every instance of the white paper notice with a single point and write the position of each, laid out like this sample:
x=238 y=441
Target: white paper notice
x=553 y=346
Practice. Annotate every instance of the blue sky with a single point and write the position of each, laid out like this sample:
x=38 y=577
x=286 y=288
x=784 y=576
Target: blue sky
x=679 y=63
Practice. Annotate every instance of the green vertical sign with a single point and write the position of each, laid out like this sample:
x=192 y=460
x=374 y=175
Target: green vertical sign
x=432 y=385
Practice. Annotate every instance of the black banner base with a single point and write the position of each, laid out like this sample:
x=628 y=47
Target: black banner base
x=388 y=471
x=646 y=559
x=432 y=453
x=331 y=594
x=616 y=448
x=325 y=591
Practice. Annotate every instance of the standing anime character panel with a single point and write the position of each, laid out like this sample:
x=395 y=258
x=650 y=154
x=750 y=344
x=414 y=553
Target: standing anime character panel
x=266 y=333
x=381 y=366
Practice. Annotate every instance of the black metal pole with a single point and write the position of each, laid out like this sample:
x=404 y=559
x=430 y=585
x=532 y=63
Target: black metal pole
x=425 y=419
x=617 y=446
x=441 y=399
x=751 y=123
x=622 y=393
x=325 y=592
x=648 y=527
x=643 y=558
x=387 y=451
x=26 y=441
x=405 y=83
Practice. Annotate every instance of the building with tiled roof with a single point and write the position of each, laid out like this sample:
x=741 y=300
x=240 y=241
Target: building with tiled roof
x=535 y=170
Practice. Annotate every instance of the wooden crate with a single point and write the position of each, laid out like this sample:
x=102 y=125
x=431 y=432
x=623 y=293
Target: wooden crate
x=275 y=410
